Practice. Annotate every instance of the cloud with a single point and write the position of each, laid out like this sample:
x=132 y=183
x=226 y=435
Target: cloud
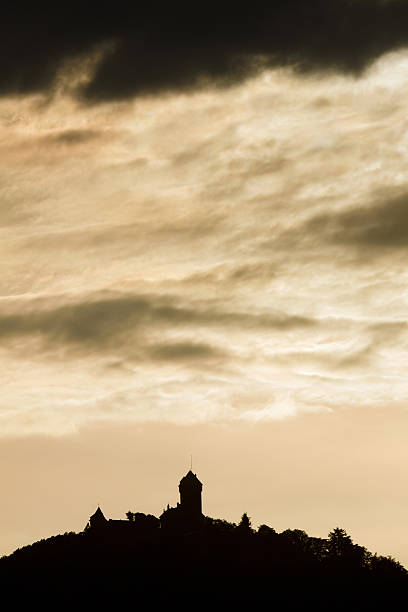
x=184 y=351
x=378 y=226
x=74 y=137
x=141 y=232
x=234 y=275
x=170 y=46
x=103 y=323
x=381 y=226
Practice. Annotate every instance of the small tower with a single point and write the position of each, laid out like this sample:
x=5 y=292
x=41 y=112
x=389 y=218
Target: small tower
x=190 y=494
x=98 y=519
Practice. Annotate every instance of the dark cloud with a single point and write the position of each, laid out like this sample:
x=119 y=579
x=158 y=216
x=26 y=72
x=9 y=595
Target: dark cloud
x=107 y=322
x=73 y=137
x=374 y=229
x=383 y=225
x=184 y=350
x=166 y=45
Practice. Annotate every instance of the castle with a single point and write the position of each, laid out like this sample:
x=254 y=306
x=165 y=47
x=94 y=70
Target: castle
x=186 y=516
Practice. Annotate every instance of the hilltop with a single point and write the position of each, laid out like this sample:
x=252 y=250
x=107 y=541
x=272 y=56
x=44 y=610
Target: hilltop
x=195 y=561
x=220 y=563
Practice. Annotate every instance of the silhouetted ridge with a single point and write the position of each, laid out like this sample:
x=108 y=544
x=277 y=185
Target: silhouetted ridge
x=198 y=562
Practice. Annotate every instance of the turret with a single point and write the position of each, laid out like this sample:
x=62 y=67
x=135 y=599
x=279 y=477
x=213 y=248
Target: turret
x=97 y=519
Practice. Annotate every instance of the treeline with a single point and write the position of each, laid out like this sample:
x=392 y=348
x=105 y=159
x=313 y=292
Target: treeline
x=220 y=565
x=337 y=551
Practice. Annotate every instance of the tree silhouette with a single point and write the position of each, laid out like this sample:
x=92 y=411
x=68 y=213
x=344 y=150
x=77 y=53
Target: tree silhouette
x=264 y=530
x=387 y=566
x=245 y=525
x=339 y=543
x=342 y=552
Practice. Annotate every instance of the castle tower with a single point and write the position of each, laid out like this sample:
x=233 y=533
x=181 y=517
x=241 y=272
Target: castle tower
x=97 y=520
x=190 y=494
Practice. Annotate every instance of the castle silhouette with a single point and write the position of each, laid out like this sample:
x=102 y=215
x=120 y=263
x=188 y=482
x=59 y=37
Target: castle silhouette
x=186 y=516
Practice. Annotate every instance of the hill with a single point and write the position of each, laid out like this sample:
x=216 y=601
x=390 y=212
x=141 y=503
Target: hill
x=217 y=565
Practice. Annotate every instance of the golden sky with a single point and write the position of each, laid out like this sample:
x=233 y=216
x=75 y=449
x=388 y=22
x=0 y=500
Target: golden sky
x=220 y=272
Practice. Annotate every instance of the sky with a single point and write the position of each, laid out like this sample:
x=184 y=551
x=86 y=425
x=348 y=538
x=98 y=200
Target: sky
x=204 y=231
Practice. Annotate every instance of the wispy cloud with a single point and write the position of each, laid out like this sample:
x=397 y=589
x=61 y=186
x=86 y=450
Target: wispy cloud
x=103 y=323
x=241 y=247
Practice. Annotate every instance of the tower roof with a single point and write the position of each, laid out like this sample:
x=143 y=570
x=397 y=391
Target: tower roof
x=98 y=514
x=190 y=479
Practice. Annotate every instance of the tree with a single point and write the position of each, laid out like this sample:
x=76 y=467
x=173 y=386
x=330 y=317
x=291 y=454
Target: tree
x=297 y=537
x=339 y=543
x=265 y=530
x=340 y=549
x=386 y=566
x=245 y=524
